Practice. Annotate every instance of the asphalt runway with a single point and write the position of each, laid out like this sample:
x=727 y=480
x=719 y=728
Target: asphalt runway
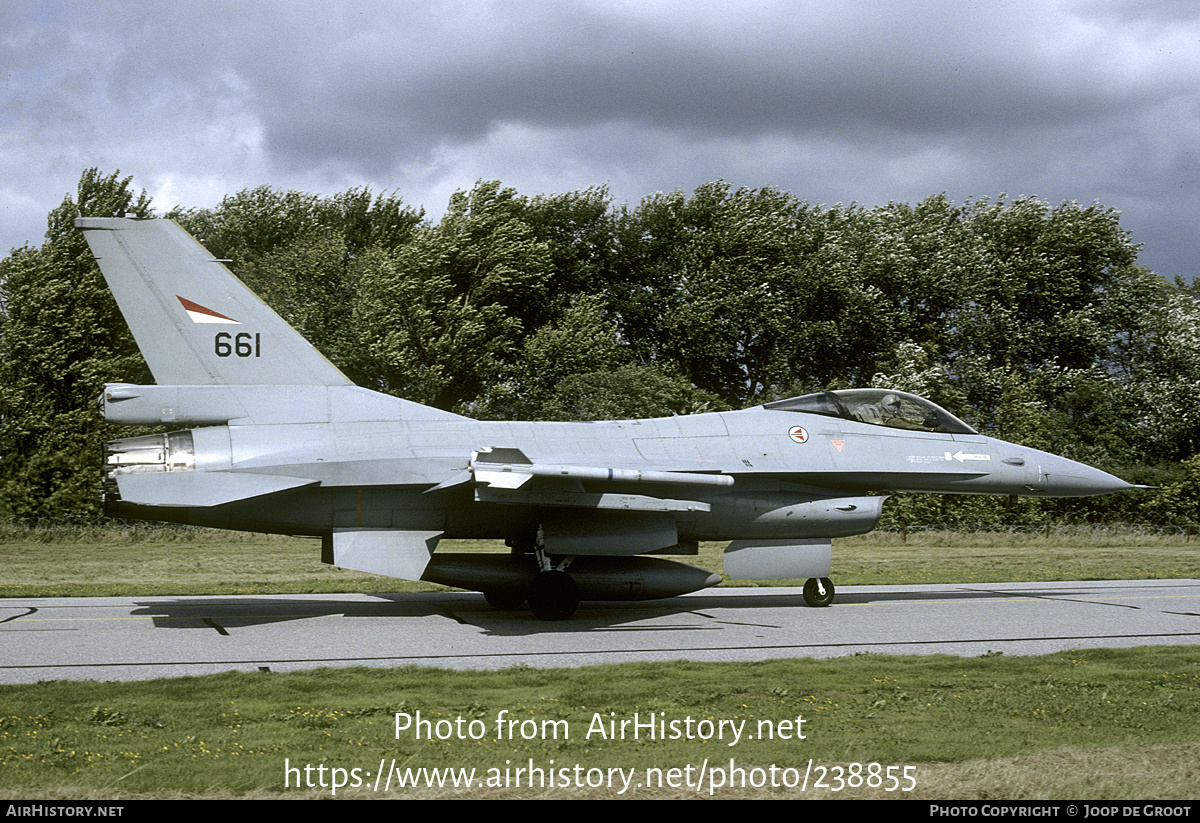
x=106 y=638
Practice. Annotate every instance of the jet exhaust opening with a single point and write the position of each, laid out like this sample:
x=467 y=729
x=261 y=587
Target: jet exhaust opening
x=173 y=451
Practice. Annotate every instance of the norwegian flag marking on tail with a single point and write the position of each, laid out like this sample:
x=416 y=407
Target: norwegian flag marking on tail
x=200 y=314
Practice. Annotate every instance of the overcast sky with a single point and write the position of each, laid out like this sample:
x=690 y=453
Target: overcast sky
x=1086 y=100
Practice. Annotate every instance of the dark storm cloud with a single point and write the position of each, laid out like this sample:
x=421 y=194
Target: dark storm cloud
x=855 y=101
x=771 y=72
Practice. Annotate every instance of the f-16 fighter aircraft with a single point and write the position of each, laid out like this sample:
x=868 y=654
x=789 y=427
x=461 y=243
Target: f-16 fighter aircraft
x=268 y=436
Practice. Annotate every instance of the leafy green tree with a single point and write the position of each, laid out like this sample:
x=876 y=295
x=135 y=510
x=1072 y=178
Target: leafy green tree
x=919 y=258
x=1179 y=500
x=1029 y=321
x=1033 y=304
x=576 y=368
x=444 y=315
x=303 y=255
x=62 y=338
x=627 y=392
x=724 y=285
x=1159 y=368
x=578 y=229
x=579 y=341
x=251 y=224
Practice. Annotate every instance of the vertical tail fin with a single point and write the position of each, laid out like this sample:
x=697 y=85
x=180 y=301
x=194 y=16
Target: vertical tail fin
x=197 y=324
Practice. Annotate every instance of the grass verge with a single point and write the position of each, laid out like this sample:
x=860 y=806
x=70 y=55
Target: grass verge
x=1094 y=724
x=145 y=561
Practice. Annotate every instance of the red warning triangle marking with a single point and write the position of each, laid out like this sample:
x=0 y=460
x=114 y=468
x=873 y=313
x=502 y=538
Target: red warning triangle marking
x=202 y=314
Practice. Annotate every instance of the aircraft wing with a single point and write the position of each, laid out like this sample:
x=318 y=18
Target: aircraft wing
x=504 y=475
x=597 y=521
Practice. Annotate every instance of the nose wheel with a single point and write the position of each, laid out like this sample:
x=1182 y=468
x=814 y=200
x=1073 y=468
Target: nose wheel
x=818 y=591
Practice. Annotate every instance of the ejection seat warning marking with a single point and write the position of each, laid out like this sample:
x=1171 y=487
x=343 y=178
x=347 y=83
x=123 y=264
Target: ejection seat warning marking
x=798 y=434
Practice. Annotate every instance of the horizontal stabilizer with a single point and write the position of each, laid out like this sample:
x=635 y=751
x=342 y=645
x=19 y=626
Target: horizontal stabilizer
x=191 y=488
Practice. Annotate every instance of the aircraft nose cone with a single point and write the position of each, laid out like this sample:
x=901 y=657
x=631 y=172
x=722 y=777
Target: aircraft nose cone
x=1060 y=477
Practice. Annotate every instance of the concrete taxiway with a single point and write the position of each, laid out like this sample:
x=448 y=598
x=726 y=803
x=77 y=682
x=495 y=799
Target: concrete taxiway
x=104 y=638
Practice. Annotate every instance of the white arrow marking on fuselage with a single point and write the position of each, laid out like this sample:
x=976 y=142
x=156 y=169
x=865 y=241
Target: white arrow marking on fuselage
x=960 y=457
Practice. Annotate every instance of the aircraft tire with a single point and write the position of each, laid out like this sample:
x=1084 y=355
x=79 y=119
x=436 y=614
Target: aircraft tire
x=553 y=596
x=813 y=594
x=505 y=600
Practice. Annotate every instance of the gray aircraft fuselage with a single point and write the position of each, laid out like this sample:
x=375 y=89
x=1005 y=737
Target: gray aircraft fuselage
x=378 y=474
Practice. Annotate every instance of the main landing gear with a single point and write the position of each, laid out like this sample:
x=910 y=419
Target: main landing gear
x=818 y=591
x=552 y=594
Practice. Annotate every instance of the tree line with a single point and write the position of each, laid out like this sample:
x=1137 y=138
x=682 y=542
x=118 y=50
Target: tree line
x=1031 y=322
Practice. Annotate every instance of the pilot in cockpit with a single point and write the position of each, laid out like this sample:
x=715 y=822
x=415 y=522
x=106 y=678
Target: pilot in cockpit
x=887 y=412
x=892 y=416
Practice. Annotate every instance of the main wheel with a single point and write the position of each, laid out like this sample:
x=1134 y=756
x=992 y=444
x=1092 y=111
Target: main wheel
x=553 y=596
x=818 y=592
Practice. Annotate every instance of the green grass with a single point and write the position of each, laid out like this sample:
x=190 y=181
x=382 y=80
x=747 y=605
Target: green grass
x=229 y=735
x=146 y=561
x=947 y=557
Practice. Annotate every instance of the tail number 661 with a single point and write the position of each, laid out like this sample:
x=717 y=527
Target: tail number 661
x=242 y=344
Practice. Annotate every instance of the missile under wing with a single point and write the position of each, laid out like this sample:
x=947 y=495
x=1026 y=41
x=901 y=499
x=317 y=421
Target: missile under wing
x=264 y=434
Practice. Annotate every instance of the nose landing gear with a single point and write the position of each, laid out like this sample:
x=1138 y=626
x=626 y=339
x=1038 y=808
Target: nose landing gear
x=818 y=591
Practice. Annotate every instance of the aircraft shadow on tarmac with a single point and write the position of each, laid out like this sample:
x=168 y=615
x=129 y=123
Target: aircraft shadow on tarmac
x=228 y=614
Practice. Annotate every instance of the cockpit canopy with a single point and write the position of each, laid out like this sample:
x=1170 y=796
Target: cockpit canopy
x=878 y=407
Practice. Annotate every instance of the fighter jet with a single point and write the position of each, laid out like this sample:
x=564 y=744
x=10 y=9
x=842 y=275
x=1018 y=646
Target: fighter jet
x=266 y=435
